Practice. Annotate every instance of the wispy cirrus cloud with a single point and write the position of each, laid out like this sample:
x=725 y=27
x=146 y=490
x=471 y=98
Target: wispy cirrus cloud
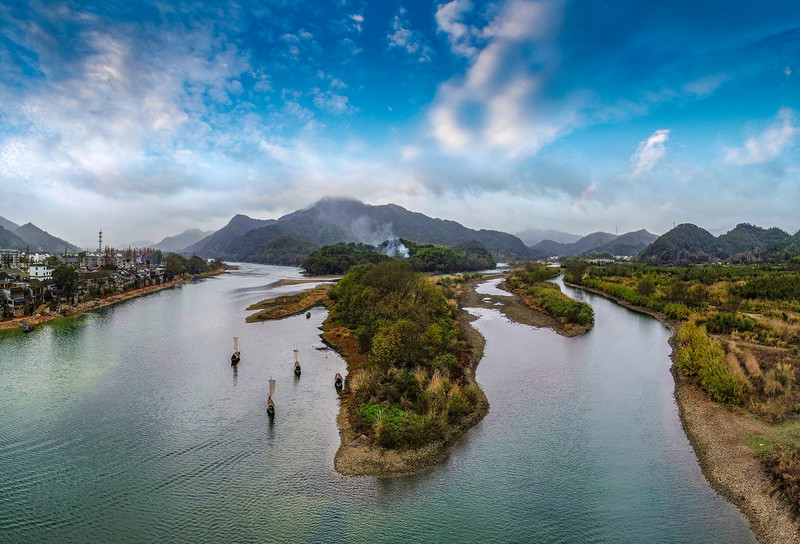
x=649 y=153
x=769 y=144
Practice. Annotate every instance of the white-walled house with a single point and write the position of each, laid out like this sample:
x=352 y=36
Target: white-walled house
x=40 y=272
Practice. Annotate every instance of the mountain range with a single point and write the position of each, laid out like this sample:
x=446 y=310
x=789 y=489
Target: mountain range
x=532 y=237
x=180 y=241
x=333 y=220
x=628 y=244
x=13 y=236
x=688 y=243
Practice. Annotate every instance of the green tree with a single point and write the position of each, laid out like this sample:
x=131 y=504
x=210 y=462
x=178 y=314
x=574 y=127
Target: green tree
x=176 y=265
x=646 y=286
x=196 y=265
x=157 y=257
x=66 y=279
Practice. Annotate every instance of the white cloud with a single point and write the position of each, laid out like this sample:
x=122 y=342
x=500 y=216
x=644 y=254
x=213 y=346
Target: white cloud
x=584 y=198
x=460 y=35
x=499 y=104
x=275 y=152
x=649 y=153
x=407 y=39
x=705 y=86
x=357 y=20
x=768 y=145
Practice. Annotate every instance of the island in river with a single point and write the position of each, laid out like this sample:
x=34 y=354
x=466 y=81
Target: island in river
x=410 y=394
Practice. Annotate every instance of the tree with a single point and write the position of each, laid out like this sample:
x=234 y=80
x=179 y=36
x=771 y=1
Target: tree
x=646 y=286
x=196 y=265
x=66 y=279
x=157 y=257
x=176 y=265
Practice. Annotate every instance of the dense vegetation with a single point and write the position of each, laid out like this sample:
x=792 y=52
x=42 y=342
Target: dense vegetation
x=176 y=265
x=703 y=357
x=430 y=258
x=746 y=243
x=335 y=220
x=412 y=383
x=437 y=259
x=339 y=258
x=531 y=283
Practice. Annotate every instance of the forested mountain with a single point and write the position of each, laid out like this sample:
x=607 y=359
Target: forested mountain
x=361 y=222
x=218 y=244
x=182 y=240
x=334 y=220
x=631 y=243
x=40 y=241
x=9 y=240
x=689 y=243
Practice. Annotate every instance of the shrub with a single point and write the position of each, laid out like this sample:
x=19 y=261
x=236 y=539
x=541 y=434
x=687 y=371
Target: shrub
x=704 y=358
x=725 y=323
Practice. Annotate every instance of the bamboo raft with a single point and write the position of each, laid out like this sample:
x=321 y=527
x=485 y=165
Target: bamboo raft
x=236 y=357
x=270 y=403
x=297 y=369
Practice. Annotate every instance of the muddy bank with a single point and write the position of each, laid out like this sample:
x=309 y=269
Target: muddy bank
x=310 y=279
x=515 y=309
x=719 y=435
x=287 y=305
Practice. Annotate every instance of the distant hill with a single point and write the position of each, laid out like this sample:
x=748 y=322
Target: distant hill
x=333 y=220
x=139 y=243
x=8 y=225
x=9 y=240
x=628 y=244
x=41 y=241
x=532 y=237
x=218 y=244
x=182 y=240
x=688 y=243
x=373 y=224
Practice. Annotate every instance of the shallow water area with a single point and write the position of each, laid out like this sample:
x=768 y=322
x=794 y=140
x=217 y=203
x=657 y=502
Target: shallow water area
x=129 y=425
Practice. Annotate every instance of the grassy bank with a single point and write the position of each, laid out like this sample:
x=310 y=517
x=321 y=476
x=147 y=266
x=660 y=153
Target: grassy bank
x=286 y=305
x=532 y=285
x=738 y=338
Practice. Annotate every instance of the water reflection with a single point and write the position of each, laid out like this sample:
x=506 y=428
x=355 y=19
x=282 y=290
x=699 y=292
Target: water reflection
x=130 y=425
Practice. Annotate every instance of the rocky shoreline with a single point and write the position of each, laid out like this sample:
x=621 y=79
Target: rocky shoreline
x=719 y=436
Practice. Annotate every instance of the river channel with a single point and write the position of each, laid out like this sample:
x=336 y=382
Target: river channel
x=128 y=425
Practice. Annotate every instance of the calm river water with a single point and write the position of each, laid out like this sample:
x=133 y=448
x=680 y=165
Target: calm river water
x=129 y=425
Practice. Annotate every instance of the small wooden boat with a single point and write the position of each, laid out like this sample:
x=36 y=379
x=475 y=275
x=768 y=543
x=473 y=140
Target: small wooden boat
x=270 y=403
x=297 y=369
x=236 y=357
x=338 y=382
x=28 y=328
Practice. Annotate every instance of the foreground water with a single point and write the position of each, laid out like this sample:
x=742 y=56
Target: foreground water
x=128 y=425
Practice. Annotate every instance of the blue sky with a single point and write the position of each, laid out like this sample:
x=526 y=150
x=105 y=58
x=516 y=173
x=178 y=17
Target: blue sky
x=148 y=118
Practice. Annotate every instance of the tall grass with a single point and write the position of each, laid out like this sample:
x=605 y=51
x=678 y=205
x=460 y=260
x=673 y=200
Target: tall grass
x=704 y=358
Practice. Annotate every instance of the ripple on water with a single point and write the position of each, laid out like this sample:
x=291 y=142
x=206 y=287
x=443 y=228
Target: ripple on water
x=133 y=428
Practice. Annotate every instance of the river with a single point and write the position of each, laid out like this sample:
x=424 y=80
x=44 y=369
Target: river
x=128 y=425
